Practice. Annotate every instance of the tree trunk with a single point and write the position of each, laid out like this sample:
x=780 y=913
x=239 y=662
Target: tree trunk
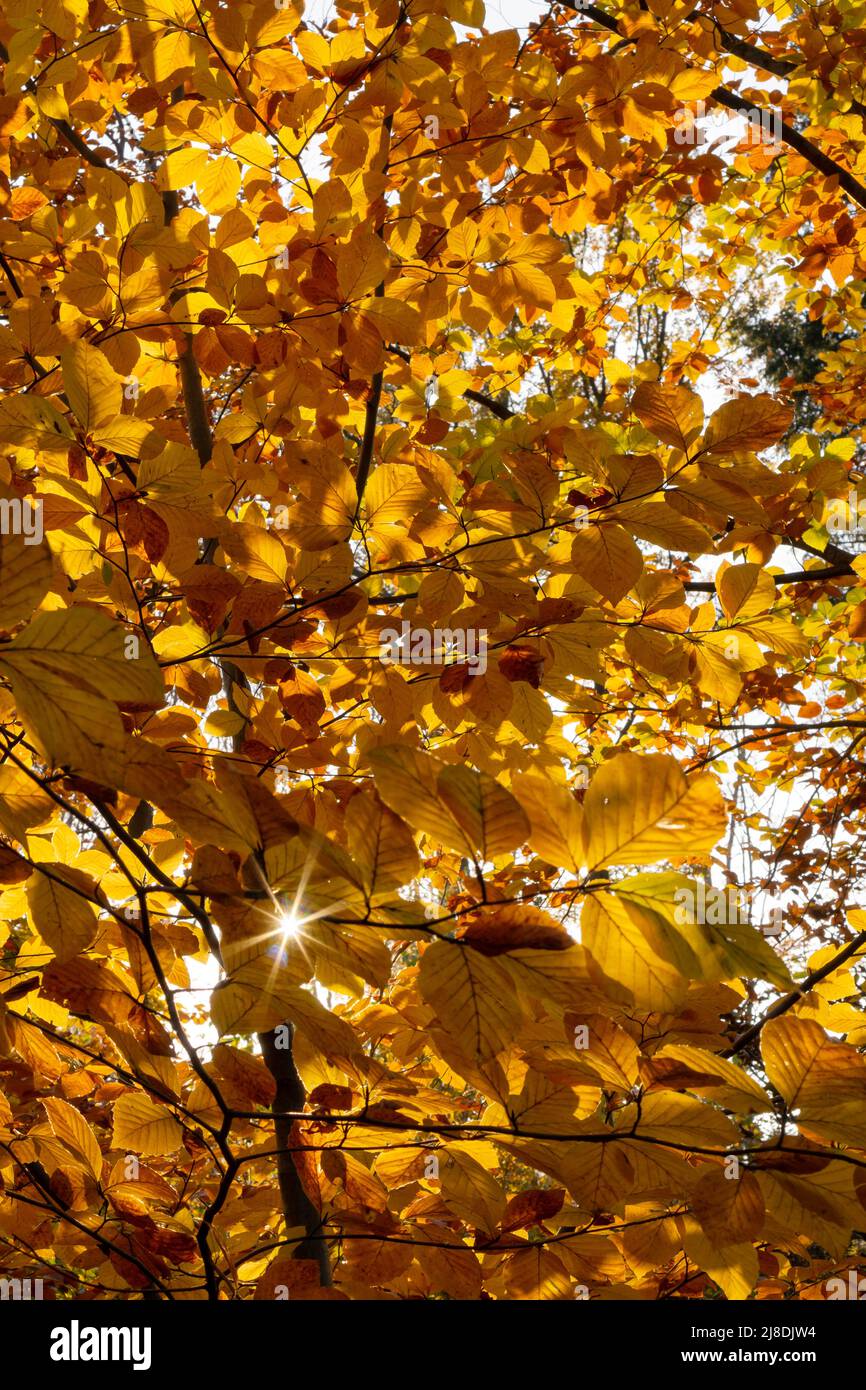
x=298 y=1210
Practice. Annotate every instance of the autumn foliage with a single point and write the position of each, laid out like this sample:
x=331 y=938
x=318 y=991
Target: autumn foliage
x=332 y=973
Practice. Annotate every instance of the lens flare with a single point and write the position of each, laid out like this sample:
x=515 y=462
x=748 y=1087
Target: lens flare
x=288 y=923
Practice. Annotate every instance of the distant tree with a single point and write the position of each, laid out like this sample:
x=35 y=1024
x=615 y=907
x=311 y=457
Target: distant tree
x=791 y=349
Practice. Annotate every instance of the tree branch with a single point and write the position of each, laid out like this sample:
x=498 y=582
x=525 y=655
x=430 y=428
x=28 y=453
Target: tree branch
x=789 y=1000
x=63 y=127
x=750 y=53
x=195 y=406
x=74 y=139
x=809 y=151
x=371 y=414
x=840 y=571
x=503 y=412
x=760 y=57
x=807 y=148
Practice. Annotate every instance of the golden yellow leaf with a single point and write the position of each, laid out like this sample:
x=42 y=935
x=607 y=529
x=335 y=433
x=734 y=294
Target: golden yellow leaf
x=745 y=591
x=733 y=1267
x=93 y=388
x=394 y=494
x=257 y=998
x=32 y=422
x=557 y=831
x=62 y=912
x=25 y=575
x=470 y=1190
x=219 y=183
x=608 y=559
x=474 y=998
x=67 y=668
x=822 y=1082
x=143 y=1127
x=454 y=805
x=730 y=1209
x=72 y=1128
x=23 y=804
x=674 y=414
x=734 y=1083
x=747 y=423
x=642 y=809
x=619 y=949
x=380 y=844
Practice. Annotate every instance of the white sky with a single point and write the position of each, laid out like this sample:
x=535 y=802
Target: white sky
x=513 y=14
x=501 y=14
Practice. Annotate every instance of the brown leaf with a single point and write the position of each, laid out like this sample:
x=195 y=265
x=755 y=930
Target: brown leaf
x=532 y=1208
x=13 y=866
x=519 y=663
